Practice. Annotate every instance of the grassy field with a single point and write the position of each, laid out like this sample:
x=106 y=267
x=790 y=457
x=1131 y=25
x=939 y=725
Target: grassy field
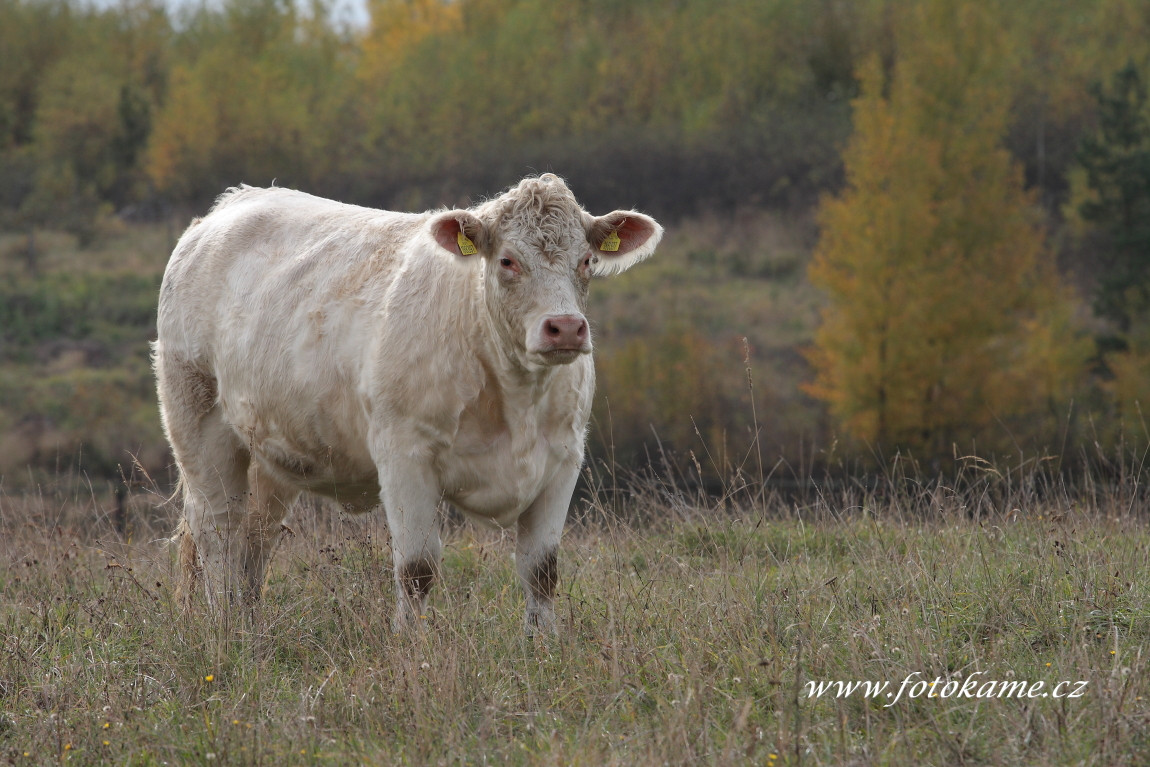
x=692 y=631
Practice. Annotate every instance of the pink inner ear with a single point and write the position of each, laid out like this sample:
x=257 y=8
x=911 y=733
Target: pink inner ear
x=446 y=231
x=633 y=232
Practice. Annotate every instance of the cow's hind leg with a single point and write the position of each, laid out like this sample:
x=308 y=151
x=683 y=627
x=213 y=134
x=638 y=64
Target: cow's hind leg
x=269 y=503
x=215 y=507
x=213 y=465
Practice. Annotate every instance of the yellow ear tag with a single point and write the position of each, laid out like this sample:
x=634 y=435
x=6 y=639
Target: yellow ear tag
x=610 y=243
x=466 y=246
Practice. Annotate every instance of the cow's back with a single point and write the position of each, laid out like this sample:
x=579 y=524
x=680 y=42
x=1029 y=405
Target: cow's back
x=260 y=255
x=271 y=297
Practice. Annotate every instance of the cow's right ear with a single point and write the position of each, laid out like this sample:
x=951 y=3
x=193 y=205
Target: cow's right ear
x=460 y=233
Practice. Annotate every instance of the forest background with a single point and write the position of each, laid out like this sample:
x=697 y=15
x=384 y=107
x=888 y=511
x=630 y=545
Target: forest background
x=914 y=228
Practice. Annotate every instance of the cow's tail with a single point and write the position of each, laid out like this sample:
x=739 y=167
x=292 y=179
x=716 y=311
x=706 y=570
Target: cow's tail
x=188 y=562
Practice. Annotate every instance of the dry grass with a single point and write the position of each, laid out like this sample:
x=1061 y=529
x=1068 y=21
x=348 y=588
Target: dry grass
x=690 y=635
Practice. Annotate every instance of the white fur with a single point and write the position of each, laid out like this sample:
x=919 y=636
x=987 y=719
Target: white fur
x=309 y=345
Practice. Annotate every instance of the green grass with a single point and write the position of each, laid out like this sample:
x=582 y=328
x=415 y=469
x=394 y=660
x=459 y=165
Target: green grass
x=687 y=639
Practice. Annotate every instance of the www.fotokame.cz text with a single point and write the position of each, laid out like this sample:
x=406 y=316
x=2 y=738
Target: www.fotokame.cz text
x=913 y=686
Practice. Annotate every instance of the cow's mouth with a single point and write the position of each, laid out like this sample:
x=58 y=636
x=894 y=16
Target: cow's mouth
x=563 y=356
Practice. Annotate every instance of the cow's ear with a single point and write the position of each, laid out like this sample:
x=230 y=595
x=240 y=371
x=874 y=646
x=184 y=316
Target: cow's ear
x=621 y=239
x=459 y=232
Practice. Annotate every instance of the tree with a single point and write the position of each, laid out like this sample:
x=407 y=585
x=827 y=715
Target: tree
x=258 y=97
x=1116 y=161
x=75 y=110
x=1112 y=191
x=77 y=126
x=941 y=299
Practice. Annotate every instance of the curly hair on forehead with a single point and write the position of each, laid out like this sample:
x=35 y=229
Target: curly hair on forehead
x=540 y=209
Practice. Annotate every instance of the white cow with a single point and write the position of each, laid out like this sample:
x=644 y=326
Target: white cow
x=370 y=356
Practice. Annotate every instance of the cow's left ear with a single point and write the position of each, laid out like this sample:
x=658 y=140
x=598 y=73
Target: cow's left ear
x=621 y=239
x=460 y=233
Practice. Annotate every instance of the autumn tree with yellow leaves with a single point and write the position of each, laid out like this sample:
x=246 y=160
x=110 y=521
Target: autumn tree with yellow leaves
x=945 y=320
x=257 y=100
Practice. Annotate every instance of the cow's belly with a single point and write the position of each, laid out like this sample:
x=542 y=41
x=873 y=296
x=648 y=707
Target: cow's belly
x=317 y=452
x=498 y=483
x=325 y=470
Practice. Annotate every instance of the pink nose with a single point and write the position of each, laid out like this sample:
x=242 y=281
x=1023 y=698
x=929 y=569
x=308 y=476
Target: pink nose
x=564 y=332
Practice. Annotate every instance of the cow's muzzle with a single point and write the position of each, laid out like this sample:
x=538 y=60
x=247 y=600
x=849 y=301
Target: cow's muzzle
x=562 y=338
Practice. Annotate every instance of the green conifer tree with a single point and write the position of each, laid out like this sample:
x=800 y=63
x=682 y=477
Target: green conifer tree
x=1117 y=164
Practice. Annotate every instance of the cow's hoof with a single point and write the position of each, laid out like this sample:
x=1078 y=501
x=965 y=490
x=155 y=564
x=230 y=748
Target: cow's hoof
x=540 y=623
x=405 y=622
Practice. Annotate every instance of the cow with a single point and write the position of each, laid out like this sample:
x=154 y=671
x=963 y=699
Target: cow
x=404 y=359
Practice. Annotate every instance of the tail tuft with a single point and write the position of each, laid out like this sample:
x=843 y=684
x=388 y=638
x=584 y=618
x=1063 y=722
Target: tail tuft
x=189 y=565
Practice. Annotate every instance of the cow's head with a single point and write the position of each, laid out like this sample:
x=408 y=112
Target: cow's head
x=540 y=250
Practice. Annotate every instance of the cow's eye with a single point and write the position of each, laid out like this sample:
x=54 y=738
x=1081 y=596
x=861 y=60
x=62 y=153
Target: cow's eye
x=506 y=262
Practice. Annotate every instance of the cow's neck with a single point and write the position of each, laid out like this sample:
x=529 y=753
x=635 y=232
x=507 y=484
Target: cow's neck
x=502 y=354
x=515 y=374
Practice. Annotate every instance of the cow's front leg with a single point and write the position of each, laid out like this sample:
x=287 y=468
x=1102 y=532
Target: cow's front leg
x=411 y=499
x=537 y=549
